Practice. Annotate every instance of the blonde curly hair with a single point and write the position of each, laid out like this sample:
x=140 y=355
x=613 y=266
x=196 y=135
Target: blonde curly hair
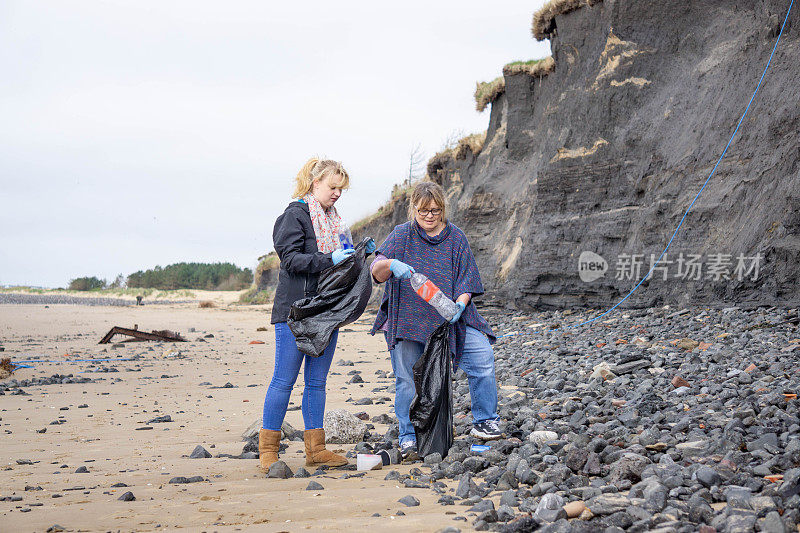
x=317 y=169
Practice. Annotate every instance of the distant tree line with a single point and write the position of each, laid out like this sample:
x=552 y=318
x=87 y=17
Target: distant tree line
x=86 y=284
x=203 y=276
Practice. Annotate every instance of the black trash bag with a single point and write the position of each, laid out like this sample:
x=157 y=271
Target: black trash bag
x=342 y=295
x=432 y=407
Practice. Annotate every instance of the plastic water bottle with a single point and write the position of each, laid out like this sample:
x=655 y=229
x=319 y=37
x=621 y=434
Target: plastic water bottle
x=429 y=292
x=346 y=238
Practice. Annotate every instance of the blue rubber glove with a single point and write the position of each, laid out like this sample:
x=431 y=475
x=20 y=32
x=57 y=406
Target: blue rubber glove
x=461 y=308
x=370 y=247
x=400 y=270
x=340 y=255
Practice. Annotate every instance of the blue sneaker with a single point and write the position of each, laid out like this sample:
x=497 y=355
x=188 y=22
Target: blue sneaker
x=487 y=430
x=408 y=452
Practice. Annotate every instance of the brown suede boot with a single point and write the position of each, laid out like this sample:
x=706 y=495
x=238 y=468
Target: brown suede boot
x=316 y=454
x=268 y=443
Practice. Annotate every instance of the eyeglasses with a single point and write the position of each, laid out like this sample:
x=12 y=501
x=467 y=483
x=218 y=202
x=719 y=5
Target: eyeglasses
x=425 y=212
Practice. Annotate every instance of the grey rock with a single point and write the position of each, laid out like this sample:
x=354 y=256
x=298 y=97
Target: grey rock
x=199 y=453
x=127 y=497
x=509 y=499
x=313 y=485
x=550 y=508
x=540 y=437
x=466 y=486
x=409 y=501
x=738 y=497
x=507 y=481
x=607 y=504
x=433 y=458
x=628 y=467
x=708 y=476
x=772 y=523
x=488 y=516
x=655 y=496
x=177 y=480
x=592 y=467
x=342 y=427
x=279 y=470
x=740 y=522
x=481 y=506
x=576 y=459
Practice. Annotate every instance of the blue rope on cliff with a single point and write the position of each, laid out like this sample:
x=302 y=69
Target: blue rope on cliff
x=704 y=184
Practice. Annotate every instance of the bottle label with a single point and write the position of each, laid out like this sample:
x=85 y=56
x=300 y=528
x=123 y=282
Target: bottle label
x=427 y=290
x=345 y=241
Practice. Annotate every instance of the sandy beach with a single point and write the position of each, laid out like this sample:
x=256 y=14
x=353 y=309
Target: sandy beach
x=55 y=429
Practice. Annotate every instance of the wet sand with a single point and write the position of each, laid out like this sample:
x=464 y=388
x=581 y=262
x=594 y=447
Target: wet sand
x=106 y=435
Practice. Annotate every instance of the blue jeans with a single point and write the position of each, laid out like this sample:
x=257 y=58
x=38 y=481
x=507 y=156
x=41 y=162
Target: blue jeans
x=477 y=361
x=287 y=366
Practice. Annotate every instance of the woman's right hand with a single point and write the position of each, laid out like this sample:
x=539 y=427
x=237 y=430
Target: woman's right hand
x=340 y=255
x=401 y=270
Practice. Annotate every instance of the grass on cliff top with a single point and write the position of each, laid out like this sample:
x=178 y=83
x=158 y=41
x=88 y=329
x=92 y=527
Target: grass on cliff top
x=474 y=143
x=488 y=91
x=254 y=296
x=534 y=67
x=399 y=193
x=544 y=19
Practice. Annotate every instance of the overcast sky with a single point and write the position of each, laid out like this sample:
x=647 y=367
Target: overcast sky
x=143 y=133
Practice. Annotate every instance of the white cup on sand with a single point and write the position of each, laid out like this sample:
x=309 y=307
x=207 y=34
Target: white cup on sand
x=368 y=461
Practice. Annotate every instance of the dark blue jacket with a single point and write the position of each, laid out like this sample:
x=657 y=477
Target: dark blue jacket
x=301 y=262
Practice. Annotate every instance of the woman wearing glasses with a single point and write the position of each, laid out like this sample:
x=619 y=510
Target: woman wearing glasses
x=433 y=246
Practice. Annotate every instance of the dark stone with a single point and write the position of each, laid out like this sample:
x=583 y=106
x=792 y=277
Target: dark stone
x=481 y=506
x=279 y=470
x=199 y=453
x=313 y=485
x=488 y=517
x=576 y=459
x=592 y=467
x=433 y=458
x=628 y=467
x=302 y=472
x=409 y=501
x=127 y=497
x=708 y=476
x=466 y=487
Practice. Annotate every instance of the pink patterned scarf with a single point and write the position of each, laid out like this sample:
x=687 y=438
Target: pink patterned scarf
x=327 y=224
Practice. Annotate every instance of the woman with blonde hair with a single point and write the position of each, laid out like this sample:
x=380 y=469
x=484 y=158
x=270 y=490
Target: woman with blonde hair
x=306 y=239
x=432 y=245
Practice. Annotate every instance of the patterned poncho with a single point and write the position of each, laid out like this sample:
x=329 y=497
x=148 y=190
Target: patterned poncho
x=447 y=260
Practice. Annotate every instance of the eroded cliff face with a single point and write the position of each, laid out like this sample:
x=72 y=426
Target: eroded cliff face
x=605 y=154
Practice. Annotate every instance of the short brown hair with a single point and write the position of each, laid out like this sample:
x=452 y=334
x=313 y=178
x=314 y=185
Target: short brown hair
x=423 y=193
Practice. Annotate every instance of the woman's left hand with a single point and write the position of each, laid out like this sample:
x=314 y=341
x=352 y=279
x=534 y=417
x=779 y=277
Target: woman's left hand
x=460 y=310
x=370 y=247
